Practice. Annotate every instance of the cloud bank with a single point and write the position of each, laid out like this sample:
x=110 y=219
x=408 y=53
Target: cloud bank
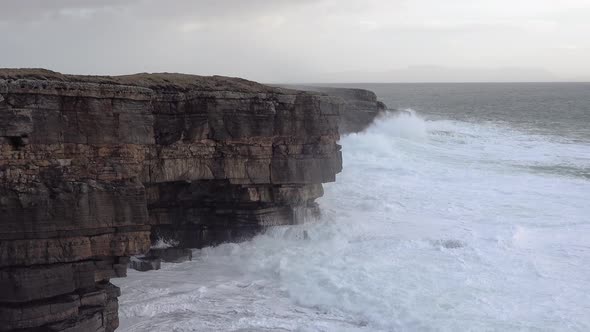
x=303 y=40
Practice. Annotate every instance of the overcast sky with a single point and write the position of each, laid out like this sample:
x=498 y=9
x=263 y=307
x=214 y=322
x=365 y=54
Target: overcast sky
x=303 y=40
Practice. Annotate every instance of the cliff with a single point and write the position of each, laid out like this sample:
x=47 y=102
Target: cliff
x=360 y=108
x=93 y=169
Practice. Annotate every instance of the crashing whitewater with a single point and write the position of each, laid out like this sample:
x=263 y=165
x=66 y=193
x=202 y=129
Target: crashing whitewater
x=432 y=226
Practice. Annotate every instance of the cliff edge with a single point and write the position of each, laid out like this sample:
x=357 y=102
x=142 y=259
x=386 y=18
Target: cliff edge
x=360 y=108
x=95 y=168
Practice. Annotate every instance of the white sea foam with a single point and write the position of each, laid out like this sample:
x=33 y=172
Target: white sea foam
x=163 y=244
x=432 y=226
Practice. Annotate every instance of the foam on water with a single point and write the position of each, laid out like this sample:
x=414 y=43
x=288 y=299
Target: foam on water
x=432 y=226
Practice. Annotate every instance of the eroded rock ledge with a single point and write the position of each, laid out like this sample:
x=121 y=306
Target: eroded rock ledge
x=91 y=167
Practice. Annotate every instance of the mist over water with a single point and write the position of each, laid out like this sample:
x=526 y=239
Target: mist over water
x=435 y=224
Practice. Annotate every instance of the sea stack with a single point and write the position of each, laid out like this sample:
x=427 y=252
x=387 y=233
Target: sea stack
x=95 y=168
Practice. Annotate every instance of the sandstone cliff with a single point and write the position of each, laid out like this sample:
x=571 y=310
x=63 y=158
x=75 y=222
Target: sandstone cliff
x=91 y=166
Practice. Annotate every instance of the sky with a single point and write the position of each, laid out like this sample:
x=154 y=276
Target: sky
x=304 y=41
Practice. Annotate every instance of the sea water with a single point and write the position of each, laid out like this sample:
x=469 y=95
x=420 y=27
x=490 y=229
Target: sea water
x=467 y=211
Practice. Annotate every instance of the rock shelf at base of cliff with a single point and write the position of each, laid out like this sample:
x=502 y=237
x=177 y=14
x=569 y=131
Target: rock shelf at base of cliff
x=94 y=169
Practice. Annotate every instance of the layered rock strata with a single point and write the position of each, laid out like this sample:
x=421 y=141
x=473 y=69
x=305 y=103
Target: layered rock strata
x=360 y=108
x=92 y=167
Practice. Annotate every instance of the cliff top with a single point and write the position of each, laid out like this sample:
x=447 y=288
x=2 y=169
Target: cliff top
x=158 y=81
x=346 y=93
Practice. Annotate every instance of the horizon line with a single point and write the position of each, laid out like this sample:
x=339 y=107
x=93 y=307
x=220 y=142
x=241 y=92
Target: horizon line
x=428 y=82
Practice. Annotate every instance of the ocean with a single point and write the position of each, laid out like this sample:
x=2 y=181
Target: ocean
x=467 y=211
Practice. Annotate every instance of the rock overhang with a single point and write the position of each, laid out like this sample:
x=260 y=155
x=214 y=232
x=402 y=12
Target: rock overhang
x=91 y=165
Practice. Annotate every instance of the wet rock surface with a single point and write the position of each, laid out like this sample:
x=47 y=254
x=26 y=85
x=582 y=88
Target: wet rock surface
x=171 y=255
x=94 y=170
x=143 y=263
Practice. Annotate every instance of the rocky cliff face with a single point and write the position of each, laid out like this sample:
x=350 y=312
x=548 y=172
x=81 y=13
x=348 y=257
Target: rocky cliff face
x=361 y=106
x=91 y=167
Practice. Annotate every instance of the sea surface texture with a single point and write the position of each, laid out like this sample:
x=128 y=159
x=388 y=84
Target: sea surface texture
x=468 y=211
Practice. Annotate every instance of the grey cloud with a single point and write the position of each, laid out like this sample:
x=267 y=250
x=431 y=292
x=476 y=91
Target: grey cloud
x=27 y=10
x=204 y=9
x=299 y=40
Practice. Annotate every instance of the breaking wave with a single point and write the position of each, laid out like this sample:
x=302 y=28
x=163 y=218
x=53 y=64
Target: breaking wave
x=432 y=226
